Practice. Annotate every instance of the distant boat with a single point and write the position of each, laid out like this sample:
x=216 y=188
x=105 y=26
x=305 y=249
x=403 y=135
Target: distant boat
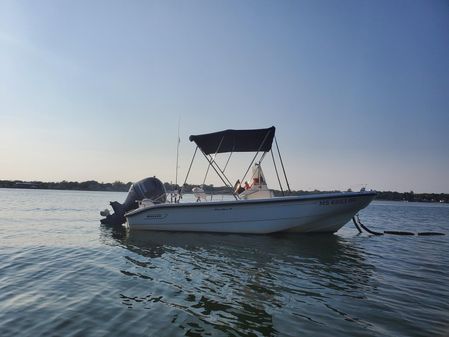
x=255 y=209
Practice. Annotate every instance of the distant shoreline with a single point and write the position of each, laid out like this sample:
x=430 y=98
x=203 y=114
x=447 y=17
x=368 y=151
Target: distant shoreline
x=119 y=186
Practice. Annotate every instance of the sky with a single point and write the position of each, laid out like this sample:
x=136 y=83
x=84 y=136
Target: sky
x=358 y=90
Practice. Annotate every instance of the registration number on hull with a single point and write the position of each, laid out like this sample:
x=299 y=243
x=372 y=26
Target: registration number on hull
x=342 y=201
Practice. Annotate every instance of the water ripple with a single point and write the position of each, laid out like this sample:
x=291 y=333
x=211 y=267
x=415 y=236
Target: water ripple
x=62 y=274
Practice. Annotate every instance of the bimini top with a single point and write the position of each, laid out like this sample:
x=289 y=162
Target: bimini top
x=235 y=141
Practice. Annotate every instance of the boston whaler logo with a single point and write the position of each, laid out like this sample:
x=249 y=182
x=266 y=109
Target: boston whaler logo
x=156 y=216
x=223 y=209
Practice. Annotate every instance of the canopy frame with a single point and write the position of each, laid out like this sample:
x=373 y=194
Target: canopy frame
x=230 y=141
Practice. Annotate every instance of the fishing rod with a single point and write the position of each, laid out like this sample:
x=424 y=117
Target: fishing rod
x=175 y=187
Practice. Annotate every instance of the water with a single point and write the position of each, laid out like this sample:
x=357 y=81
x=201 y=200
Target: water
x=63 y=274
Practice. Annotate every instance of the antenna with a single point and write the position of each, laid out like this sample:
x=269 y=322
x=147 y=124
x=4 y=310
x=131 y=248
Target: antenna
x=177 y=154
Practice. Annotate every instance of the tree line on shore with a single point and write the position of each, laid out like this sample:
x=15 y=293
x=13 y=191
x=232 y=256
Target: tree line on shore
x=118 y=186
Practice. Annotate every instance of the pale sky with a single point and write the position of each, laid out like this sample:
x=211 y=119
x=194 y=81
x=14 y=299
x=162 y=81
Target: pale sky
x=358 y=90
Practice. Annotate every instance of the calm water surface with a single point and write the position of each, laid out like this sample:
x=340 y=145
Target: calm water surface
x=63 y=274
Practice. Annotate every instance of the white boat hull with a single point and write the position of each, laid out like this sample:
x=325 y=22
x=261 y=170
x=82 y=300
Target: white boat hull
x=304 y=214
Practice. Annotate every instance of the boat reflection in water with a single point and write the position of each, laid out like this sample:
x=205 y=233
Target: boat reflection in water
x=229 y=282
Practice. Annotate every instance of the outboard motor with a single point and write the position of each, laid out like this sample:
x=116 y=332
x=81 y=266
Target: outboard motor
x=148 y=188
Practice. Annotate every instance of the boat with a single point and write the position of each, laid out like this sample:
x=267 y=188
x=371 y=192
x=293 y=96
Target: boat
x=255 y=209
x=303 y=214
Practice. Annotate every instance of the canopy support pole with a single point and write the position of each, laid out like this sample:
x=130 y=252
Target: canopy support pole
x=254 y=158
x=282 y=164
x=218 y=148
x=218 y=171
x=226 y=165
x=277 y=174
x=262 y=158
x=214 y=164
x=190 y=166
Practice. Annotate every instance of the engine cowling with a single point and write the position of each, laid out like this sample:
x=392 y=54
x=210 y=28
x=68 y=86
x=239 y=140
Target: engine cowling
x=148 y=188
